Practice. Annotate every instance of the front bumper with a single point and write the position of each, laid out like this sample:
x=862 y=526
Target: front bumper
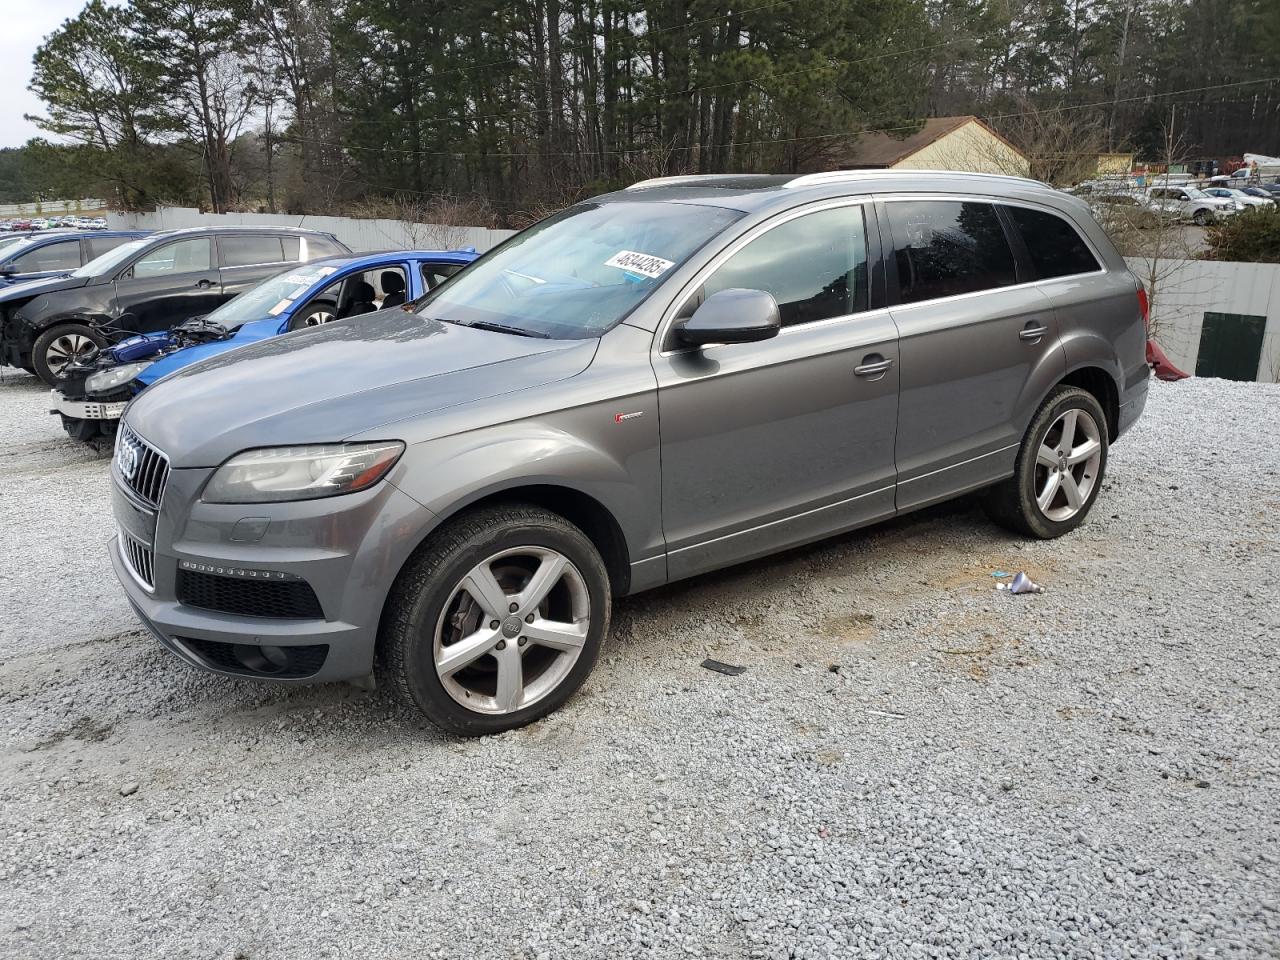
x=86 y=409
x=348 y=549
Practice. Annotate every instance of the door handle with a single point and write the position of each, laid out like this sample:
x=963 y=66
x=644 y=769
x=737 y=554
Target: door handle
x=873 y=366
x=204 y=284
x=1033 y=332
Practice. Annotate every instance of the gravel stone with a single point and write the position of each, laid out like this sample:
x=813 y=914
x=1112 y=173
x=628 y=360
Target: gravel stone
x=985 y=776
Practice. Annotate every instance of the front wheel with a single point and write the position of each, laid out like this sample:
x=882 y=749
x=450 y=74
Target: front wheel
x=62 y=345
x=1059 y=469
x=497 y=621
x=1200 y=218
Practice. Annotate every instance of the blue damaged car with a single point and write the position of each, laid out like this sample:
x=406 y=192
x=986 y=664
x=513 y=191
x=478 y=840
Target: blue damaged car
x=94 y=392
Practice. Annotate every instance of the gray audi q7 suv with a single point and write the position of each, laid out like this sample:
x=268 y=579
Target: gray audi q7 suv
x=682 y=375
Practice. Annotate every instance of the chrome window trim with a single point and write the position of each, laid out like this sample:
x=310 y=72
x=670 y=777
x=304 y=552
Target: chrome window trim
x=759 y=230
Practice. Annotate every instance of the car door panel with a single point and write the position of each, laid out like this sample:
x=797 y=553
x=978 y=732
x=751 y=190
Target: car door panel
x=971 y=378
x=159 y=297
x=773 y=444
x=770 y=444
x=977 y=342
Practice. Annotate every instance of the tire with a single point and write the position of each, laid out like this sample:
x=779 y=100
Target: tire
x=56 y=345
x=430 y=603
x=1015 y=503
x=1200 y=218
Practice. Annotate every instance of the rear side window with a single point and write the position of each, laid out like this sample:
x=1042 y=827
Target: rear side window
x=815 y=266
x=1055 y=247
x=320 y=247
x=943 y=248
x=64 y=255
x=434 y=274
x=100 y=245
x=250 y=251
x=291 y=247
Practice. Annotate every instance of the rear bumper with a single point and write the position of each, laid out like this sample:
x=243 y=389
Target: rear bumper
x=1132 y=403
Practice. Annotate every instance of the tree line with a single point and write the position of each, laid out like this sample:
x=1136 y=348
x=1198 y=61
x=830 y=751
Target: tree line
x=516 y=105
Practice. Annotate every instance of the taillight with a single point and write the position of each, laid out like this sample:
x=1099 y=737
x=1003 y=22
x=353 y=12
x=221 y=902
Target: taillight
x=1144 y=306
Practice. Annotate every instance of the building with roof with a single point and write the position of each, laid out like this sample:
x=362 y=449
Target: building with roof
x=942 y=143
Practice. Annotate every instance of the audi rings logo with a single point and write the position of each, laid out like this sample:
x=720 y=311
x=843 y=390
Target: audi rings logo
x=127 y=460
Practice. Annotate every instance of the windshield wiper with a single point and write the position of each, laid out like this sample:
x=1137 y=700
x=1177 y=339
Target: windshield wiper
x=503 y=328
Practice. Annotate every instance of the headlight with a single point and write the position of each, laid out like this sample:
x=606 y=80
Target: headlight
x=1239 y=205
x=106 y=380
x=276 y=474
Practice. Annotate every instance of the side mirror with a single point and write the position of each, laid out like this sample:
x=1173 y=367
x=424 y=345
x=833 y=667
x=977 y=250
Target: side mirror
x=732 y=316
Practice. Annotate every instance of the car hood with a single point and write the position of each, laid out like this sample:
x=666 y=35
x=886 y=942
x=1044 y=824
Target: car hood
x=34 y=288
x=246 y=334
x=339 y=380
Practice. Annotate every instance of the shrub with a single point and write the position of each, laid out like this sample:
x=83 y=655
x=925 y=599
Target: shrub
x=1252 y=236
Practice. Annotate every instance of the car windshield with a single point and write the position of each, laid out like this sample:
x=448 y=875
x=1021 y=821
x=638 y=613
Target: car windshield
x=112 y=259
x=578 y=273
x=11 y=246
x=270 y=298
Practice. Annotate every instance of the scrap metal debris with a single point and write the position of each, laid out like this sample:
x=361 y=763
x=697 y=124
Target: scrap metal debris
x=728 y=669
x=1021 y=584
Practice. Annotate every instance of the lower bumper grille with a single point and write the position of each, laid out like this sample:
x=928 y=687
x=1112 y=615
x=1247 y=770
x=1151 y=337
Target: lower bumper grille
x=275 y=599
x=139 y=558
x=280 y=663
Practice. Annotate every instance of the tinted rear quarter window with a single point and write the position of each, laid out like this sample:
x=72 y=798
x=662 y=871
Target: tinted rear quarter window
x=1055 y=247
x=320 y=247
x=250 y=251
x=943 y=248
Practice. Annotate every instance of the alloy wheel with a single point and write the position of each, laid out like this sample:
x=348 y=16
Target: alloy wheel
x=512 y=630
x=68 y=348
x=1067 y=464
x=318 y=317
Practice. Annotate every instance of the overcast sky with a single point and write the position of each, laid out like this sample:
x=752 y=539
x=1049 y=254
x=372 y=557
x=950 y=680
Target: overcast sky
x=23 y=24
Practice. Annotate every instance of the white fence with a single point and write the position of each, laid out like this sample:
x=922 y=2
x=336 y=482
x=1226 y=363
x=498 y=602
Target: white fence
x=47 y=208
x=1188 y=289
x=359 y=235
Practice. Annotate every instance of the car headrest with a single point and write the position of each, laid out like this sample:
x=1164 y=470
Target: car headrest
x=362 y=292
x=392 y=281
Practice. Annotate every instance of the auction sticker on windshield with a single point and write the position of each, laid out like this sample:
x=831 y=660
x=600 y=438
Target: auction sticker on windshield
x=641 y=263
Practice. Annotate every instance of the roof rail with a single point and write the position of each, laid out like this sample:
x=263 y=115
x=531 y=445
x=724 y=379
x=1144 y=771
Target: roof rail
x=841 y=176
x=665 y=181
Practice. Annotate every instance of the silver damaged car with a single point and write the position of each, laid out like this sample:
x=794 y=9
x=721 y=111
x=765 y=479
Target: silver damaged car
x=661 y=381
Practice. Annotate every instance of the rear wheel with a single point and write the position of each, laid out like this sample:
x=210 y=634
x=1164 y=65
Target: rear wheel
x=62 y=345
x=498 y=621
x=1059 y=469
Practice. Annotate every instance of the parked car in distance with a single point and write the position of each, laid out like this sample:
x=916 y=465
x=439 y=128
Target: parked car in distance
x=1261 y=193
x=1240 y=198
x=648 y=385
x=55 y=253
x=98 y=223
x=1188 y=203
x=144 y=286
x=93 y=394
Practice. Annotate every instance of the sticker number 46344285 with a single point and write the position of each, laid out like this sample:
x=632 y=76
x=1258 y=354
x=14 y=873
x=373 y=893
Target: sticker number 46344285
x=641 y=263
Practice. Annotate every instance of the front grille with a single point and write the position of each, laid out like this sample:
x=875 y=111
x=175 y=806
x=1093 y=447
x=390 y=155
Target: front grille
x=277 y=599
x=142 y=467
x=249 y=660
x=139 y=558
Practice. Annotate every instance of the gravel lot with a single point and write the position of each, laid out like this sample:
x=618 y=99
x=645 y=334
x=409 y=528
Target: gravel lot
x=913 y=765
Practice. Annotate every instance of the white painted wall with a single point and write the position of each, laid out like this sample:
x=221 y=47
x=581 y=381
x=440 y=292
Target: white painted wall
x=359 y=235
x=1187 y=289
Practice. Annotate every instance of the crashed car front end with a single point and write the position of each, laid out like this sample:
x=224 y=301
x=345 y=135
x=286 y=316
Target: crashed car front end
x=95 y=391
